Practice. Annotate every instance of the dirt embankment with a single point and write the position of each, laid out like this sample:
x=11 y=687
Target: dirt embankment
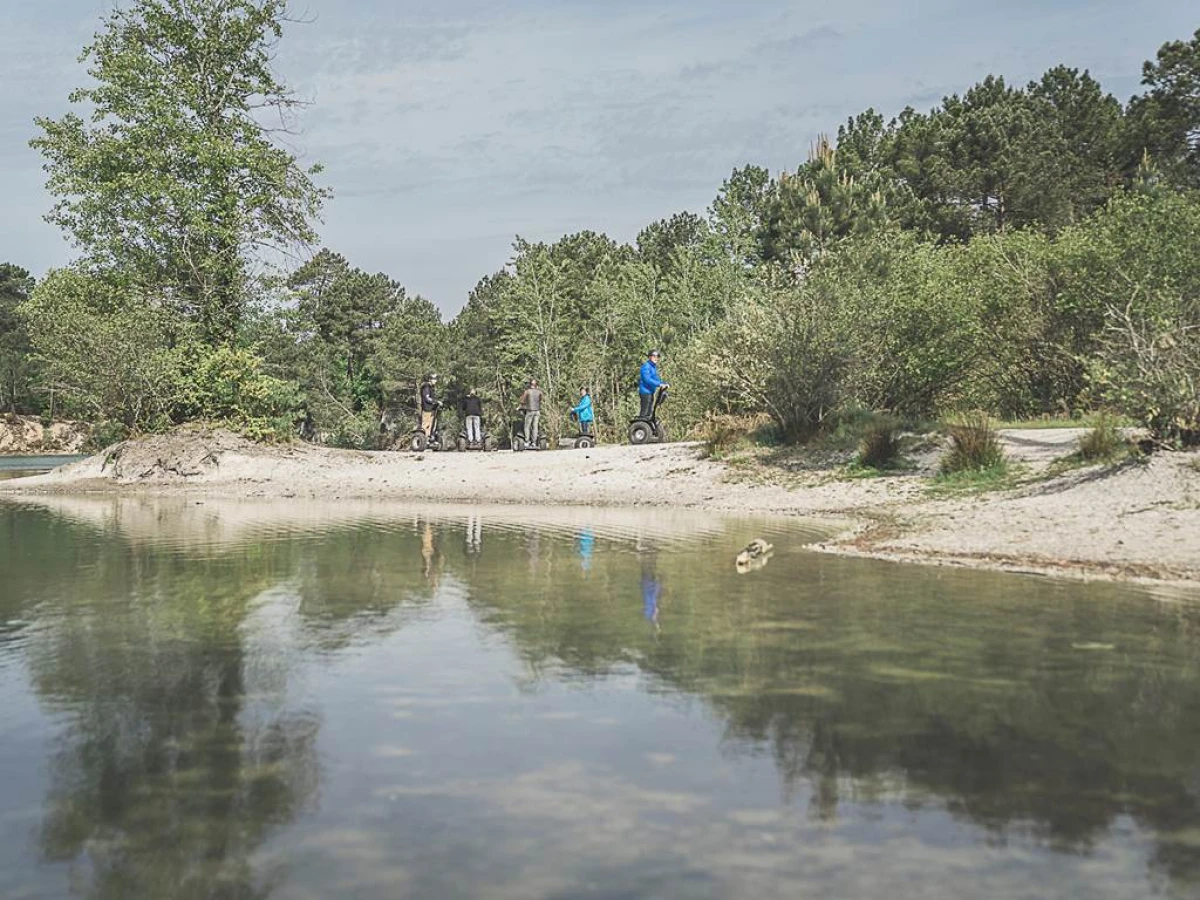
x=27 y=436
x=1135 y=521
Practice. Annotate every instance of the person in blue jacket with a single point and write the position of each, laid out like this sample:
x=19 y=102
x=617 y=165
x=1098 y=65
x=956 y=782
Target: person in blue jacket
x=648 y=383
x=584 y=412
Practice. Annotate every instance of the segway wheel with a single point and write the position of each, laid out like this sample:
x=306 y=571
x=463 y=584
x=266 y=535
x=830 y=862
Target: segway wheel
x=518 y=444
x=418 y=442
x=489 y=444
x=585 y=442
x=660 y=433
x=462 y=444
x=543 y=443
x=640 y=432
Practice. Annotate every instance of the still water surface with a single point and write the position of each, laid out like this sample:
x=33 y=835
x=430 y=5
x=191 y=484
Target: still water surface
x=203 y=700
x=20 y=466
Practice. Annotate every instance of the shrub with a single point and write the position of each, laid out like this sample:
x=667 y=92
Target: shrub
x=1148 y=368
x=880 y=447
x=227 y=384
x=1103 y=442
x=974 y=447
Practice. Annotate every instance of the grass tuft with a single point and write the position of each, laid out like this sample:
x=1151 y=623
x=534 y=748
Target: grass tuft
x=974 y=447
x=880 y=446
x=1104 y=442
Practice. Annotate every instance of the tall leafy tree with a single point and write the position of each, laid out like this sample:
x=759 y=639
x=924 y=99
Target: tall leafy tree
x=171 y=175
x=16 y=363
x=1167 y=117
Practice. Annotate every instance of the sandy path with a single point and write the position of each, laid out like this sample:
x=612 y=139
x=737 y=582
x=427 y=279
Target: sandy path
x=1139 y=521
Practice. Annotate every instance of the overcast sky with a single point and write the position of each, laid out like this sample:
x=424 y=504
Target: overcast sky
x=449 y=126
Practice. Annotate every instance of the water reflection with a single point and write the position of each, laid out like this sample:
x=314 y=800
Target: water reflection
x=467 y=703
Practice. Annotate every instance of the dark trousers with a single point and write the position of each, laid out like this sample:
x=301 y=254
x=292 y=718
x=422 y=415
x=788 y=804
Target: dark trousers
x=647 y=406
x=585 y=427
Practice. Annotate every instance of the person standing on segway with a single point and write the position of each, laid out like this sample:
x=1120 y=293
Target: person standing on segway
x=472 y=409
x=583 y=411
x=531 y=403
x=648 y=384
x=429 y=404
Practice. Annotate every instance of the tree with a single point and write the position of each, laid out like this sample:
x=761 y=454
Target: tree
x=106 y=353
x=822 y=203
x=173 y=179
x=1166 y=119
x=736 y=215
x=16 y=363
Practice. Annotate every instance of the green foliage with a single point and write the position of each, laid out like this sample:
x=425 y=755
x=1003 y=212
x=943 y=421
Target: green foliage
x=104 y=351
x=17 y=371
x=1166 y=120
x=1104 y=441
x=228 y=384
x=974 y=447
x=172 y=179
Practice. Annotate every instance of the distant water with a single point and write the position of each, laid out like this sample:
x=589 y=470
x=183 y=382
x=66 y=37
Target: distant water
x=20 y=466
x=228 y=700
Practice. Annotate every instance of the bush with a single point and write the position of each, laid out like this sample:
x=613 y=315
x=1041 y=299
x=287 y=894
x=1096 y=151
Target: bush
x=974 y=447
x=880 y=447
x=1103 y=442
x=1148 y=368
x=227 y=384
x=104 y=350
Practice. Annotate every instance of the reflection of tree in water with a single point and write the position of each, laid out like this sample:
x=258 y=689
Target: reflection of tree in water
x=984 y=709
x=353 y=581
x=167 y=778
x=179 y=754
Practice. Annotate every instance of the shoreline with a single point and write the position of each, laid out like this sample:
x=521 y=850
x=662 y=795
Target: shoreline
x=1136 y=523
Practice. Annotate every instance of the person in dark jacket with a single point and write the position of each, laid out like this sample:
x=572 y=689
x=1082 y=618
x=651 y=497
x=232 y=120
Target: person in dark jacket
x=429 y=403
x=472 y=410
x=648 y=384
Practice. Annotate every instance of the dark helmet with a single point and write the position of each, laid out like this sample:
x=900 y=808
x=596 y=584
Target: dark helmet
x=652 y=354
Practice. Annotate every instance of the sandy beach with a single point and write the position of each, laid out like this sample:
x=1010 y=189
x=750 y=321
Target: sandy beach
x=1135 y=521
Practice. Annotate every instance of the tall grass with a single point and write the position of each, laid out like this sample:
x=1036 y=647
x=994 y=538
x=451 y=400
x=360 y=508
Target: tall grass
x=1103 y=442
x=974 y=447
x=880 y=447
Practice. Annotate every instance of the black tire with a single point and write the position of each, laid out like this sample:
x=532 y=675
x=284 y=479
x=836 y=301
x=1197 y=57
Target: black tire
x=418 y=442
x=543 y=443
x=462 y=444
x=660 y=433
x=640 y=432
x=489 y=444
x=518 y=444
x=585 y=442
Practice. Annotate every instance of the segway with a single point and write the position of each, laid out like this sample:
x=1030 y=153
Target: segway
x=517 y=437
x=487 y=445
x=419 y=442
x=649 y=430
x=584 y=440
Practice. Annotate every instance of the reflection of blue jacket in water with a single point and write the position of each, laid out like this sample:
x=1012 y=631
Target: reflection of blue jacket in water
x=648 y=380
x=584 y=409
x=651 y=588
x=587 y=541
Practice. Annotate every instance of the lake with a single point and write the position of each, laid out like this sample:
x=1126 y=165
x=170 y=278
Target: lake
x=262 y=700
x=20 y=466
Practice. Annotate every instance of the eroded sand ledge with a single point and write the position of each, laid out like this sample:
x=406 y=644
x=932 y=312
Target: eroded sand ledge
x=1133 y=522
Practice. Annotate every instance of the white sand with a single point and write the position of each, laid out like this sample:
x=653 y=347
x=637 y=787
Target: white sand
x=1138 y=521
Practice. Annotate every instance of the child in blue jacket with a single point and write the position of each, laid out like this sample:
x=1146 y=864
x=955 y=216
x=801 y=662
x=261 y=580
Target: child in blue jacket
x=584 y=411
